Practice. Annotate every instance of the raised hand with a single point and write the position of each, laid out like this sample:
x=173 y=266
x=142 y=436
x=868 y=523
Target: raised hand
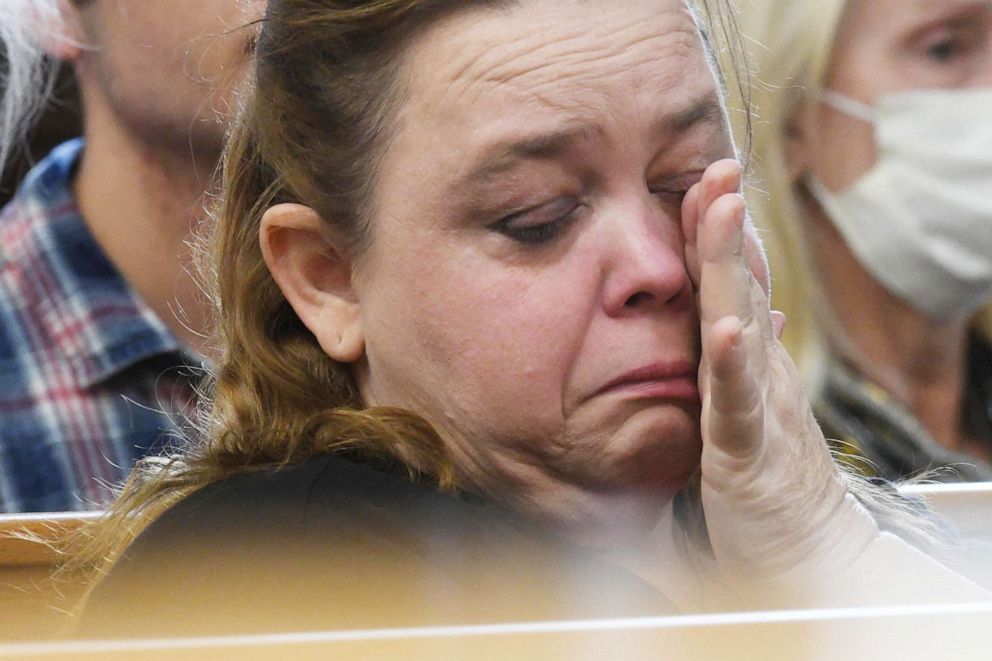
x=775 y=503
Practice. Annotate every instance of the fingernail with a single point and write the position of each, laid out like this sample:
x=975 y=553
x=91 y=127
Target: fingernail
x=742 y=209
x=779 y=321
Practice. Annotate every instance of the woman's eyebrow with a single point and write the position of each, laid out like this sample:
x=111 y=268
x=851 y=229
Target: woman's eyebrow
x=505 y=155
x=707 y=110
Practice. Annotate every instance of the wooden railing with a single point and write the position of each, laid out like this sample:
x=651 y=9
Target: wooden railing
x=32 y=608
x=31 y=604
x=968 y=506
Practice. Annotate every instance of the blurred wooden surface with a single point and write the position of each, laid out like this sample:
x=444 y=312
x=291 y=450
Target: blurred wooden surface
x=32 y=605
x=19 y=552
x=906 y=634
x=33 y=609
x=968 y=506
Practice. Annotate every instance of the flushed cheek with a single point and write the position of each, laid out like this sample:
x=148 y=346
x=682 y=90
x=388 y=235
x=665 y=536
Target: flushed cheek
x=507 y=345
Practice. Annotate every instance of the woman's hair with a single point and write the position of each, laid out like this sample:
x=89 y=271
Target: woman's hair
x=27 y=74
x=790 y=45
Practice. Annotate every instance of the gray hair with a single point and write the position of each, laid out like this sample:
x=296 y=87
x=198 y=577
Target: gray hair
x=27 y=75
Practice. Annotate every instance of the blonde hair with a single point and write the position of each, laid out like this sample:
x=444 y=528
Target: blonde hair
x=790 y=45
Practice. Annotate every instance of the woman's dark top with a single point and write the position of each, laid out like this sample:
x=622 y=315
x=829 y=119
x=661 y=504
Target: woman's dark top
x=336 y=544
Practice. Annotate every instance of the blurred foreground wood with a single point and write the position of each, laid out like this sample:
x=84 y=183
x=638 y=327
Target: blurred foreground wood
x=30 y=613
x=959 y=632
x=968 y=506
x=31 y=605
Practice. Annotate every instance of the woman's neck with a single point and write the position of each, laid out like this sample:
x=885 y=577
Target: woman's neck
x=922 y=365
x=919 y=361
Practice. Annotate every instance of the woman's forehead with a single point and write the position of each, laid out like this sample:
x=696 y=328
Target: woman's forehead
x=554 y=62
x=543 y=41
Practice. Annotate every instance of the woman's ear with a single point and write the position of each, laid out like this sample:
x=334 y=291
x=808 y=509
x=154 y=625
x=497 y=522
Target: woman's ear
x=314 y=274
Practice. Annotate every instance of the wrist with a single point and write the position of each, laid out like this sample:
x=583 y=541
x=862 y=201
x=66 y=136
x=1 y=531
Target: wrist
x=816 y=570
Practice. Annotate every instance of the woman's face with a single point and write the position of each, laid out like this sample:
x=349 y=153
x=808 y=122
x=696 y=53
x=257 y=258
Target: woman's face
x=525 y=288
x=886 y=46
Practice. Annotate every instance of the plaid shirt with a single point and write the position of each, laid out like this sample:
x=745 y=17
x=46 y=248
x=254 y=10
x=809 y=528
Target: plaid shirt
x=90 y=378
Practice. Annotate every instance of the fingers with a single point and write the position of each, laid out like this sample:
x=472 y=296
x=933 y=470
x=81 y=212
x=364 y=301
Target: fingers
x=737 y=328
x=690 y=213
x=726 y=250
x=734 y=339
x=690 y=221
x=725 y=288
x=721 y=177
x=735 y=420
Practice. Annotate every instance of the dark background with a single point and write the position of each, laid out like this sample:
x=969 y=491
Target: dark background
x=60 y=121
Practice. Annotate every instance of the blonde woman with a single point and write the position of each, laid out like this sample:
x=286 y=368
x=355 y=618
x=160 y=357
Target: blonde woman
x=873 y=146
x=494 y=337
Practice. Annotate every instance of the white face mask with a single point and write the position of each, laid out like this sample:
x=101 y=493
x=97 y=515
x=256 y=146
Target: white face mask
x=920 y=220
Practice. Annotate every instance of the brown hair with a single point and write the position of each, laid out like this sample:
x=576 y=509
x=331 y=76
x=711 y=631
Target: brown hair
x=313 y=121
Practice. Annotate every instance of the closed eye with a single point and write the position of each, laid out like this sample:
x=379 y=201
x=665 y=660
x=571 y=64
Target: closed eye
x=670 y=196
x=541 y=223
x=672 y=191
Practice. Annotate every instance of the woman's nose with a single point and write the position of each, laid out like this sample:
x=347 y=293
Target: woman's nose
x=645 y=265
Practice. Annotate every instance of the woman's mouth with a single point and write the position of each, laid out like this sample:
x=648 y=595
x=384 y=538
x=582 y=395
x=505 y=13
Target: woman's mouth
x=661 y=380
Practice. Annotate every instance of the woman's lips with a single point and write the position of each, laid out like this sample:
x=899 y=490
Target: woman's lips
x=672 y=380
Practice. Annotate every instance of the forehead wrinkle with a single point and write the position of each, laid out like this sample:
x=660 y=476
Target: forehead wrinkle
x=623 y=61
x=491 y=55
x=537 y=54
x=590 y=86
x=572 y=86
x=534 y=75
x=649 y=46
x=484 y=53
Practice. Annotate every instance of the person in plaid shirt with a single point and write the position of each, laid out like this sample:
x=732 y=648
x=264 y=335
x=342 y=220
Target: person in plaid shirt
x=101 y=324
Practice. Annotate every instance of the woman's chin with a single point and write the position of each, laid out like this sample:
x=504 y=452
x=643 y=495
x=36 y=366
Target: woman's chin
x=612 y=474
x=652 y=449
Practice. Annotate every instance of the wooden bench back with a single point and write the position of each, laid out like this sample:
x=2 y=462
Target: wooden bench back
x=33 y=606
